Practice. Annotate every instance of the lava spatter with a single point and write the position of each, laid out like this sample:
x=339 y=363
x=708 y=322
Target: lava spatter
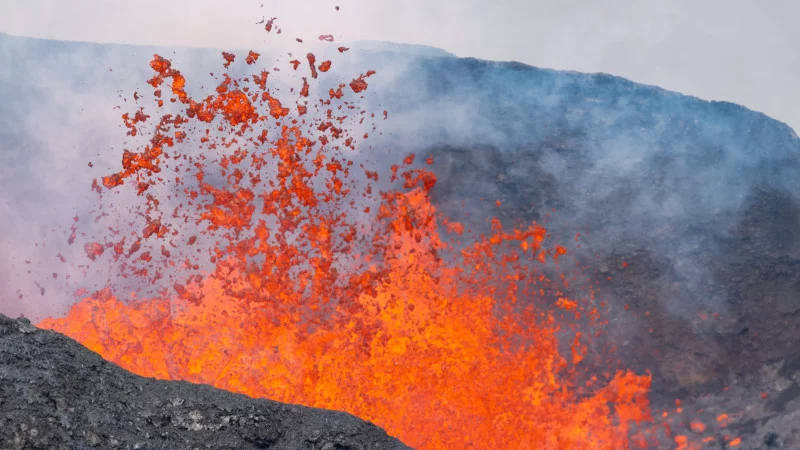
x=252 y=57
x=284 y=274
x=360 y=84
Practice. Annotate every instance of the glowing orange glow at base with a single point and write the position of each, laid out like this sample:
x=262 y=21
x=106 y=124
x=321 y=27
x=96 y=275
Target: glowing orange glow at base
x=437 y=368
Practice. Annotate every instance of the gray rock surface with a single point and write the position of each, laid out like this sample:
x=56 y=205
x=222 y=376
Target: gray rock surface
x=55 y=393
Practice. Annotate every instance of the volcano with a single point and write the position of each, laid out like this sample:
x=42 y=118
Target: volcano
x=685 y=210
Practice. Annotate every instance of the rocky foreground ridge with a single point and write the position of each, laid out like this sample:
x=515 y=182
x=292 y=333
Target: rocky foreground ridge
x=55 y=393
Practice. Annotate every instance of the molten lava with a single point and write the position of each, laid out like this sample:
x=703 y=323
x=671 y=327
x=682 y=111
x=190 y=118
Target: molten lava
x=285 y=275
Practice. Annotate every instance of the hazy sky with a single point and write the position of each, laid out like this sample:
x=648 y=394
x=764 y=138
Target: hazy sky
x=743 y=51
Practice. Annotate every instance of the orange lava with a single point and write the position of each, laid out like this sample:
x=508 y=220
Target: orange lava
x=327 y=292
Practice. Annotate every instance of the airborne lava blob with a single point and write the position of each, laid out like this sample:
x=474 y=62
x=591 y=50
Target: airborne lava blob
x=285 y=274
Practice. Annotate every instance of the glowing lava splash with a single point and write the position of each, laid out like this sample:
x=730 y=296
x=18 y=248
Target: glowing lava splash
x=284 y=274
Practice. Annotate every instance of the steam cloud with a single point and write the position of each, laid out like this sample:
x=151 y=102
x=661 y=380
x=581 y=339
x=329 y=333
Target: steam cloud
x=630 y=166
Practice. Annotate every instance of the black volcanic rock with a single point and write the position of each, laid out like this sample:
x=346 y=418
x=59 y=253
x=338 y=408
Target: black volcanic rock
x=55 y=393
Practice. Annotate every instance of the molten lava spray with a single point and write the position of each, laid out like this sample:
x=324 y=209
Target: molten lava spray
x=284 y=274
